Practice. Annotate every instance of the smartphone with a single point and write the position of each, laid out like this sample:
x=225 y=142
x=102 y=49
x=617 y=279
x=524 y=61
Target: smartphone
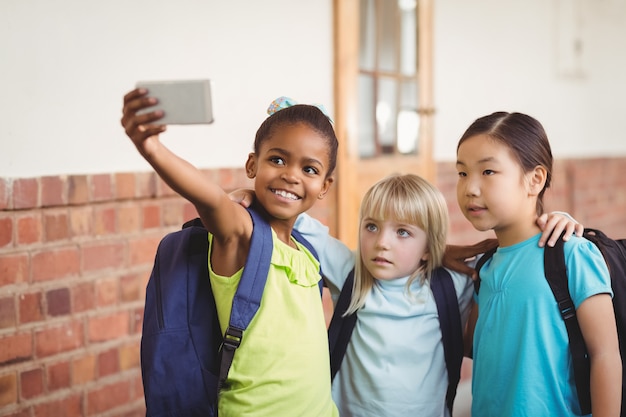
x=183 y=102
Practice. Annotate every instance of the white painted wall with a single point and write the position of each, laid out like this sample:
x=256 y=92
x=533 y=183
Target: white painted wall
x=518 y=56
x=66 y=64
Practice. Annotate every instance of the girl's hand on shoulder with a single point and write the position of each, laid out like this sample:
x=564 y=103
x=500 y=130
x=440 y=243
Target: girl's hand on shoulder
x=554 y=224
x=139 y=128
x=242 y=196
x=455 y=256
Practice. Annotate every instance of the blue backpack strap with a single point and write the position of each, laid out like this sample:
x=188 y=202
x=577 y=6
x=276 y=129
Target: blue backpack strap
x=556 y=274
x=247 y=299
x=311 y=249
x=341 y=327
x=451 y=331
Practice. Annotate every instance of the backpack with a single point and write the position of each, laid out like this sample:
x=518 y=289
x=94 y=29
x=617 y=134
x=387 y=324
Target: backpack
x=185 y=358
x=340 y=328
x=614 y=253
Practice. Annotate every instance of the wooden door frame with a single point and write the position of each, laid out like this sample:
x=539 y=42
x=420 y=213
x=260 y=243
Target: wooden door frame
x=346 y=44
x=346 y=39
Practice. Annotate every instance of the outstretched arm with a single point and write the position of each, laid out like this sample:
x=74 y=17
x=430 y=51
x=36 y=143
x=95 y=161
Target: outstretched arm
x=212 y=203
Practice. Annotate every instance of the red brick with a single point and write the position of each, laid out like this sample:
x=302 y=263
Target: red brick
x=138 y=389
x=25 y=193
x=53 y=191
x=81 y=221
x=56 y=263
x=55 y=225
x=58 y=301
x=132 y=287
x=189 y=212
x=30 y=307
x=137 y=320
x=31 y=383
x=107 y=291
x=16 y=348
x=20 y=413
x=104 y=220
x=128 y=216
x=142 y=250
x=29 y=228
x=108 y=363
x=172 y=213
x=7 y=312
x=103 y=255
x=232 y=178
x=108 y=327
x=6 y=230
x=14 y=269
x=8 y=389
x=151 y=216
x=58 y=376
x=5 y=187
x=146 y=184
x=101 y=187
x=67 y=407
x=129 y=357
x=77 y=189
x=139 y=412
x=226 y=178
x=107 y=397
x=57 y=339
x=83 y=297
x=124 y=185
x=83 y=370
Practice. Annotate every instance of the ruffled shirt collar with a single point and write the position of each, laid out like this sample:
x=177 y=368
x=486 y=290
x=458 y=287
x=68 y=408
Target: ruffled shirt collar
x=299 y=265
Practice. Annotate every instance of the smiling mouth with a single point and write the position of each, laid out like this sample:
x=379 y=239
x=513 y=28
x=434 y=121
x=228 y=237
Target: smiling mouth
x=285 y=194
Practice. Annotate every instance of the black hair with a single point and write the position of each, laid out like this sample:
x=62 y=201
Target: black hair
x=521 y=133
x=301 y=113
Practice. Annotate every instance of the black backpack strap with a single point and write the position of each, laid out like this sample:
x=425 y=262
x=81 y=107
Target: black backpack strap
x=247 y=299
x=193 y=223
x=556 y=274
x=479 y=264
x=451 y=330
x=341 y=327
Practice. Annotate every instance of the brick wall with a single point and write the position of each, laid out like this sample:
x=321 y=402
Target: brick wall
x=75 y=256
x=76 y=253
x=591 y=190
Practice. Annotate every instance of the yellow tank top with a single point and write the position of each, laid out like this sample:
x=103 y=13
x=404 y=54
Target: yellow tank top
x=282 y=367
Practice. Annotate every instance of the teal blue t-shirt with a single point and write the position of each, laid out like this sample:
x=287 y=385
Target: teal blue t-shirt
x=522 y=365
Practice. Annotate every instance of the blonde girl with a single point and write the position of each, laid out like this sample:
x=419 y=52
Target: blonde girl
x=394 y=362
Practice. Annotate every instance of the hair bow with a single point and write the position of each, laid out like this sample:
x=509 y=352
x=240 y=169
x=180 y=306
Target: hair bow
x=284 y=102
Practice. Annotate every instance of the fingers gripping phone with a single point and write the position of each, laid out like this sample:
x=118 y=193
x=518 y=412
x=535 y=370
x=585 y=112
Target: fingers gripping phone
x=183 y=102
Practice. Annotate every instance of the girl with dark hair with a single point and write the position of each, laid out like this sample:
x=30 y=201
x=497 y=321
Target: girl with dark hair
x=522 y=364
x=281 y=366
